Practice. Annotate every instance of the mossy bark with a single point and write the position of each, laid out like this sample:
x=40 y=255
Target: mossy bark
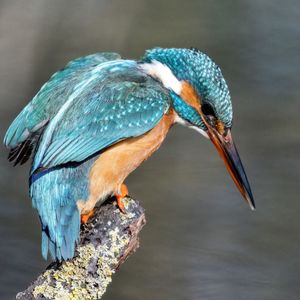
x=108 y=238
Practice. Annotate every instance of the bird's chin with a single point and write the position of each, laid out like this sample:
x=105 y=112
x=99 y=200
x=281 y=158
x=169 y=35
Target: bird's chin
x=203 y=132
x=185 y=123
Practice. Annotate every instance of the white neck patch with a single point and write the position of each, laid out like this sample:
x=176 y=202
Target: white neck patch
x=185 y=123
x=160 y=71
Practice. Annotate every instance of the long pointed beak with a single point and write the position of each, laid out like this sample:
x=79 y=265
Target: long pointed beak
x=231 y=158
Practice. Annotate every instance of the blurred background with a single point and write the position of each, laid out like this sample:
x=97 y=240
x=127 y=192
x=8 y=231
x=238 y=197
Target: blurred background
x=201 y=240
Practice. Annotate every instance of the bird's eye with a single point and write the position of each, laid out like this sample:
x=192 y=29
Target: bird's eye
x=208 y=110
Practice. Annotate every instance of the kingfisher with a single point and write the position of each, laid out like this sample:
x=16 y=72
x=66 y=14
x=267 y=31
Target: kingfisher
x=97 y=119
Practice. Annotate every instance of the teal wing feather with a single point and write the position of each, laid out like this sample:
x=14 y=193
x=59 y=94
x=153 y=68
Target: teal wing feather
x=114 y=101
x=22 y=134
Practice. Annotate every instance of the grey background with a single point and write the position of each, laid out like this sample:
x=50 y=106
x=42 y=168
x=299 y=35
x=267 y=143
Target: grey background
x=201 y=240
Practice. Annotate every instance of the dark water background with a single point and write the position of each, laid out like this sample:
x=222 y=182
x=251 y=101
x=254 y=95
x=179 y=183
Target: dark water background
x=201 y=240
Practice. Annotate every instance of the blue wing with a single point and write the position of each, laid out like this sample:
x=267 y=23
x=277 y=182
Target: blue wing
x=113 y=101
x=23 y=133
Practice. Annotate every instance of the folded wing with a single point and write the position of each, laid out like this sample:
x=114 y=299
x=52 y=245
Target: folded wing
x=115 y=101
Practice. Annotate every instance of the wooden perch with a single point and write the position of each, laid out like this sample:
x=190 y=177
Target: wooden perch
x=108 y=238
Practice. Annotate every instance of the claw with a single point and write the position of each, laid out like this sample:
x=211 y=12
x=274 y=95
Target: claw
x=84 y=218
x=121 y=196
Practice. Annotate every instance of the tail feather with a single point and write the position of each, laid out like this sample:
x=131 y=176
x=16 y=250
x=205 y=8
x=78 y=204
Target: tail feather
x=45 y=243
x=61 y=244
x=54 y=194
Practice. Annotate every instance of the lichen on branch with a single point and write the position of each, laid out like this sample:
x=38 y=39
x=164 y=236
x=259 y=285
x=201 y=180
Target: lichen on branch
x=108 y=238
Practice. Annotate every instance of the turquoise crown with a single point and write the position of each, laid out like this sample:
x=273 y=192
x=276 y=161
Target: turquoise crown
x=202 y=73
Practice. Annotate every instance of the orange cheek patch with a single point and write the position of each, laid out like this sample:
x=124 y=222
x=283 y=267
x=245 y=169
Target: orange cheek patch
x=190 y=96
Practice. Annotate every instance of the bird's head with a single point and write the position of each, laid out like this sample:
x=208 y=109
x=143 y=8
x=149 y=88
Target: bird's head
x=201 y=100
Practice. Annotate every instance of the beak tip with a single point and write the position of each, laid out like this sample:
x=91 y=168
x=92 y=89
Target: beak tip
x=228 y=152
x=251 y=203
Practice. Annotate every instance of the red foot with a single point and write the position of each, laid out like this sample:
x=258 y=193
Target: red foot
x=84 y=218
x=121 y=196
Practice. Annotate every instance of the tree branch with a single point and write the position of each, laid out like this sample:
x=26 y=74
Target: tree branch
x=106 y=241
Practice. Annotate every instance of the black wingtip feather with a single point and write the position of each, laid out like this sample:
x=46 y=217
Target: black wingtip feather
x=21 y=153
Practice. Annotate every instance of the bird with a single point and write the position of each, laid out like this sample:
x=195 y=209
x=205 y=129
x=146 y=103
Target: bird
x=97 y=119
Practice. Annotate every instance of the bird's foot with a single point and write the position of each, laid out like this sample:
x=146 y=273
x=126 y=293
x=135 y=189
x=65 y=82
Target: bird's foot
x=86 y=210
x=120 y=196
x=85 y=217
